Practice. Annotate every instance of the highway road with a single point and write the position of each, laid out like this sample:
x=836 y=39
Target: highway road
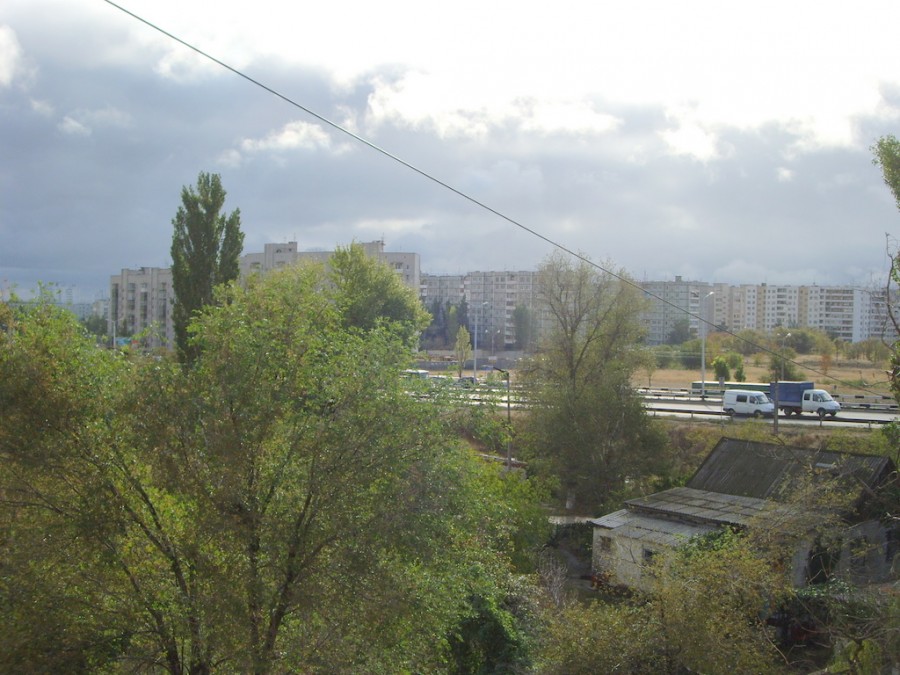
x=712 y=408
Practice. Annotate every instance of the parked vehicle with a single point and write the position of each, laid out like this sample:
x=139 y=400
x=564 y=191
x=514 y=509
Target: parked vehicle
x=800 y=397
x=739 y=402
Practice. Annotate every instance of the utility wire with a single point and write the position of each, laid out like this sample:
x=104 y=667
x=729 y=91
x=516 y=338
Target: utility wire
x=460 y=193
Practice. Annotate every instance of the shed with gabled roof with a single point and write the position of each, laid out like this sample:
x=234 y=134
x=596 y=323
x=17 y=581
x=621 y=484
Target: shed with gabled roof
x=744 y=484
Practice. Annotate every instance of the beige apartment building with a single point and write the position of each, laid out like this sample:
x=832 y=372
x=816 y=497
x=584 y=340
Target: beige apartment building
x=140 y=307
x=847 y=313
x=141 y=300
x=406 y=265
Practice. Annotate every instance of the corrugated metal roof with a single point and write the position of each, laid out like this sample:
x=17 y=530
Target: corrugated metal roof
x=702 y=506
x=657 y=531
x=738 y=484
x=766 y=470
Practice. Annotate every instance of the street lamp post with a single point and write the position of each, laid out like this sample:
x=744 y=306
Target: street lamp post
x=783 y=340
x=703 y=345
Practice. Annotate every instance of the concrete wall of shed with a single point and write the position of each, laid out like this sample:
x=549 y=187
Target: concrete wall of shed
x=620 y=560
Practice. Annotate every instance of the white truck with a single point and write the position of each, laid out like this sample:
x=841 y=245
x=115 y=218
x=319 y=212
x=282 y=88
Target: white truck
x=800 y=397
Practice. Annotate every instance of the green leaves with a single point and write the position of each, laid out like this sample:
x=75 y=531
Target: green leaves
x=282 y=505
x=206 y=250
x=587 y=426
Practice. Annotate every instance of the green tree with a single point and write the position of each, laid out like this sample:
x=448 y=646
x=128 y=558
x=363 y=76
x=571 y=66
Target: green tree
x=887 y=156
x=206 y=249
x=96 y=326
x=281 y=506
x=369 y=293
x=721 y=369
x=462 y=313
x=462 y=349
x=523 y=322
x=680 y=333
x=783 y=367
x=706 y=589
x=453 y=324
x=714 y=586
x=587 y=426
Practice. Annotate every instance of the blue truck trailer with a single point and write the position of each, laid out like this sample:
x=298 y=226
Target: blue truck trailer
x=800 y=397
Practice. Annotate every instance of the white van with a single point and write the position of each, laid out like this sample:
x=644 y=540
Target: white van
x=756 y=403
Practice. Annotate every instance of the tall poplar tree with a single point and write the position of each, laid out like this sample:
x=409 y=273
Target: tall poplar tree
x=206 y=247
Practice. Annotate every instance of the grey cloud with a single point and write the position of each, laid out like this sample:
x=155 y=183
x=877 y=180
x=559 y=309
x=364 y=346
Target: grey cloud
x=79 y=207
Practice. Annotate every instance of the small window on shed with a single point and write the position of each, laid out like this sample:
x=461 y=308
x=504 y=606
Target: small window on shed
x=649 y=555
x=605 y=544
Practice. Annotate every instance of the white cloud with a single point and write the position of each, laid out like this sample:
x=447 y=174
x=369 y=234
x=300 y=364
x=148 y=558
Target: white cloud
x=106 y=117
x=393 y=226
x=567 y=117
x=42 y=108
x=10 y=56
x=84 y=122
x=692 y=140
x=784 y=175
x=297 y=135
x=230 y=158
x=72 y=127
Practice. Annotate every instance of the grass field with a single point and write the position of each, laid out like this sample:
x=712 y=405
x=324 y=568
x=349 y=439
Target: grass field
x=846 y=377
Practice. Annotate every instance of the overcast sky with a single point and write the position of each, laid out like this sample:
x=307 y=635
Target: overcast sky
x=720 y=141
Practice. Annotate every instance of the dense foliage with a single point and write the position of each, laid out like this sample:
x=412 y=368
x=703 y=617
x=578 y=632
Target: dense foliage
x=282 y=506
x=206 y=249
x=587 y=425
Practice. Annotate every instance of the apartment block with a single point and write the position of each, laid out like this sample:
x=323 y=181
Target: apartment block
x=140 y=305
x=846 y=313
x=491 y=297
x=141 y=300
x=672 y=302
x=406 y=265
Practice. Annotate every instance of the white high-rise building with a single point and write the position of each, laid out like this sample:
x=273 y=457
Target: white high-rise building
x=845 y=313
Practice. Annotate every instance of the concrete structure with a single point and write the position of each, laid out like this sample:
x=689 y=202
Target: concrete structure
x=406 y=265
x=140 y=305
x=847 y=313
x=491 y=297
x=672 y=302
x=141 y=300
x=745 y=484
x=851 y=314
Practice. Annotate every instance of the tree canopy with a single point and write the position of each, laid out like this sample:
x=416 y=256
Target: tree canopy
x=206 y=250
x=587 y=426
x=887 y=156
x=281 y=506
x=369 y=293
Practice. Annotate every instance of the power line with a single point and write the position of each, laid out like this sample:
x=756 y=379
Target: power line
x=428 y=176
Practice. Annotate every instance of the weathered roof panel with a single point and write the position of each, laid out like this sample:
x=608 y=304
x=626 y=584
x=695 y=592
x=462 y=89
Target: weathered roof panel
x=703 y=506
x=767 y=470
x=656 y=531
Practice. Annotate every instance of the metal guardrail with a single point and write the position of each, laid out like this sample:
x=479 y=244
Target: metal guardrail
x=811 y=419
x=497 y=395
x=847 y=401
